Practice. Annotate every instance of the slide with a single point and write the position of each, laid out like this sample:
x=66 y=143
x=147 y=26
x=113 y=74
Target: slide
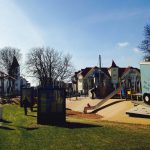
x=103 y=101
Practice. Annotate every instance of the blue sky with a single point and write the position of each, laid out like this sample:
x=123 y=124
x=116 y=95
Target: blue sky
x=83 y=28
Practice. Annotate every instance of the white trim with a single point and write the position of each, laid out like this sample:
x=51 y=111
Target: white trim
x=144 y=63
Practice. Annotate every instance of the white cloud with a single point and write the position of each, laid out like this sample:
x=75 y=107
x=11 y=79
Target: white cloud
x=136 y=50
x=122 y=44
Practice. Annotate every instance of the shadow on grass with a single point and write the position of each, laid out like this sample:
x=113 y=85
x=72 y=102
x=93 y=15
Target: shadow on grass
x=31 y=115
x=5 y=121
x=6 y=128
x=103 y=107
x=69 y=125
x=73 y=125
x=29 y=128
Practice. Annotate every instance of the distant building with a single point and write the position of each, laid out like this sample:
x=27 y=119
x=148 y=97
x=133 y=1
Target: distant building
x=24 y=83
x=6 y=84
x=106 y=78
x=14 y=71
x=11 y=83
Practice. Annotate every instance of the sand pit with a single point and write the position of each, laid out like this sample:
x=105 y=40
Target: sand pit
x=112 y=110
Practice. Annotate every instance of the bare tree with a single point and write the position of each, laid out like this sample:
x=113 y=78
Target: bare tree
x=49 y=65
x=145 y=44
x=6 y=57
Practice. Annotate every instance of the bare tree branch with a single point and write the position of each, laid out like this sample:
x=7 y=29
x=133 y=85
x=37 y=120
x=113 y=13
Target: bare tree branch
x=6 y=57
x=49 y=65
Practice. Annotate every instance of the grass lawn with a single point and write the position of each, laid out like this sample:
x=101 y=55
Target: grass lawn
x=19 y=132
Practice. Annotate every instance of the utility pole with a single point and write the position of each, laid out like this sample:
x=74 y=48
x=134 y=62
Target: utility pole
x=99 y=70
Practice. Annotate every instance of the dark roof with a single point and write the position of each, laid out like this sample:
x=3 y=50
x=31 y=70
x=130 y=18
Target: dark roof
x=123 y=70
x=5 y=76
x=15 y=63
x=85 y=71
x=75 y=74
x=12 y=68
x=105 y=70
x=113 y=64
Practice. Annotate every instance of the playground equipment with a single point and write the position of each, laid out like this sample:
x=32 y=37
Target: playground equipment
x=139 y=111
x=88 y=107
x=103 y=101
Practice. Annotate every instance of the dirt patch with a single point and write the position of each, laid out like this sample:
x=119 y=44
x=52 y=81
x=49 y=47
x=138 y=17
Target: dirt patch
x=76 y=114
x=8 y=100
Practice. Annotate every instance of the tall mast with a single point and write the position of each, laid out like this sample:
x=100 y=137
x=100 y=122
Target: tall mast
x=99 y=69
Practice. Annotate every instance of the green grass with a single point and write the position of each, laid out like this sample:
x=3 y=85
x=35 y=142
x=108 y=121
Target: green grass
x=22 y=132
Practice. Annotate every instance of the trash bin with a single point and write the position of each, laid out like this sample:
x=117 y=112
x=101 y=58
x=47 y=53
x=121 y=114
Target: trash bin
x=1 y=112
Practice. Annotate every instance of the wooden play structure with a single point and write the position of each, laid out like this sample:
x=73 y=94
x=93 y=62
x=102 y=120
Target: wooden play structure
x=118 y=90
x=103 y=101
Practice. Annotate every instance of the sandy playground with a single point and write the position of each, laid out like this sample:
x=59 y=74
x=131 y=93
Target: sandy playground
x=112 y=110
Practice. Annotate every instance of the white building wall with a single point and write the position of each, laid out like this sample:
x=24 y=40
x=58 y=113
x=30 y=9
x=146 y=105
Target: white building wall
x=114 y=75
x=80 y=83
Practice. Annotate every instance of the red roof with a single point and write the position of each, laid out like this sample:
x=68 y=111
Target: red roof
x=121 y=71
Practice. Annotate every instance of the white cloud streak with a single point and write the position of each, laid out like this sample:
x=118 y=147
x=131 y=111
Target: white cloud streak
x=122 y=44
x=16 y=29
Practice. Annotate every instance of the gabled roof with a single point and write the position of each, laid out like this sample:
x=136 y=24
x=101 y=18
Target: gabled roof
x=5 y=76
x=121 y=71
x=124 y=70
x=105 y=70
x=14 y=63
x=113 y=64
x=75 y=74
x=85 y=71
